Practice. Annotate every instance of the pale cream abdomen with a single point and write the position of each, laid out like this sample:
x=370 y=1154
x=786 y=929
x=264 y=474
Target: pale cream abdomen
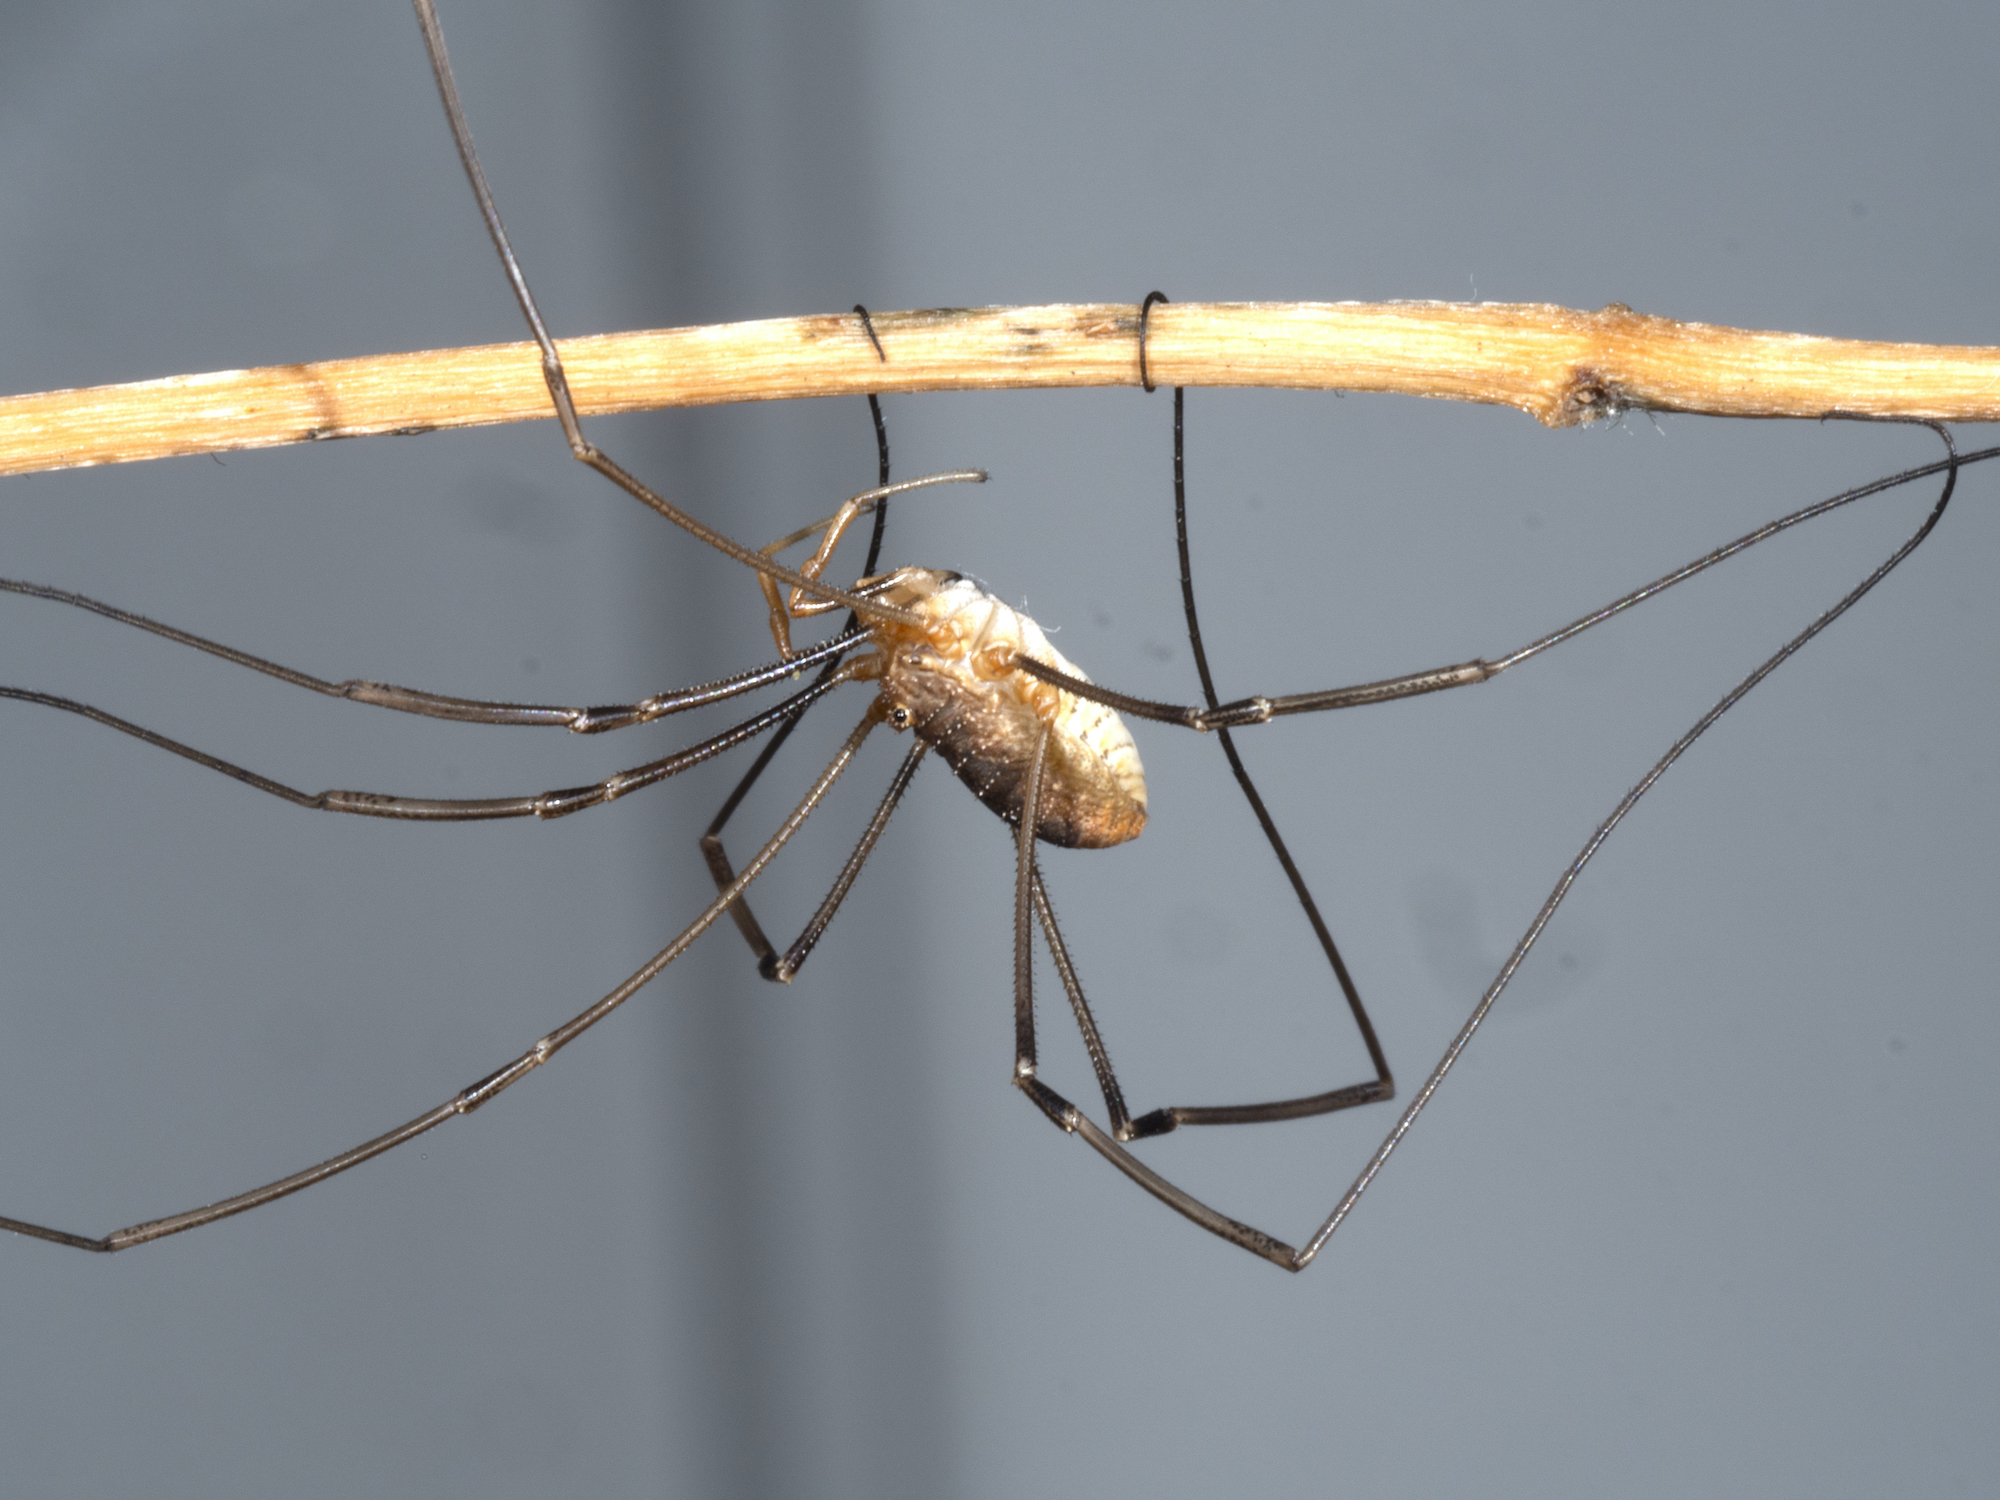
x=951 y=681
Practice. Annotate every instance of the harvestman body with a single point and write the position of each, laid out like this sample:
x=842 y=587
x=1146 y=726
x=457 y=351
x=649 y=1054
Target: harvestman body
x=951 y=674
x=1032 y=737
x=955 y=683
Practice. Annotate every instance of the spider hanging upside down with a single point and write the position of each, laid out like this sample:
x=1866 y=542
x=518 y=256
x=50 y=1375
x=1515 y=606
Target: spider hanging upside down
x=1037 y=742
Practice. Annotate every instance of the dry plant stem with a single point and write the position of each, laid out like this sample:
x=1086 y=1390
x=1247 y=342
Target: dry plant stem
x=1560 y=366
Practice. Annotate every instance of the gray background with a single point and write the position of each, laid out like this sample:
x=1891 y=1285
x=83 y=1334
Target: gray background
x=1709 y=1209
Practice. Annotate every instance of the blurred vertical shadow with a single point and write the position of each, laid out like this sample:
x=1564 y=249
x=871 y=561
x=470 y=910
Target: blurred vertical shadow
x=741 y=179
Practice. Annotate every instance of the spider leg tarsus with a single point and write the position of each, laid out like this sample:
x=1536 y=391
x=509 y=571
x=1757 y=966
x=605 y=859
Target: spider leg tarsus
x=1155 y=1122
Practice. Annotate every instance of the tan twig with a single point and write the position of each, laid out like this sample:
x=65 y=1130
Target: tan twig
x=1558 y=365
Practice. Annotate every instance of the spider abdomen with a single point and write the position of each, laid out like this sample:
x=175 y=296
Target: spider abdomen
x=952 y=681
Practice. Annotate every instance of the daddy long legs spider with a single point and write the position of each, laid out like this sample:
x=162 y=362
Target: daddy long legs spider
x=973 y=679
x=1630 y=1164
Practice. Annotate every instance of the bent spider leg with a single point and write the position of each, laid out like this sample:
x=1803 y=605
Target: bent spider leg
x=1061 y=1112
x=1160 y=1121
x=831 y=529
x=1950 y=466
x=1383 y=1086
x=553 y=375
x=1258 y=710
x=1073 y=1120
x=1029 y=892
x=780 y=616
x=551 y=804
x=476 y=1094
x=769 y=964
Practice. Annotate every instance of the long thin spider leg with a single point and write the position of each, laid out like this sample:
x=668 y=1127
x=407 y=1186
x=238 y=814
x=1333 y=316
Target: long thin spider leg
x=1729 y=700
x=1086 y=1023
x=830 y=530
x=717 y=857
x=784 y=970
x=1260 y=710
x=711 y=837
x=1123 y=1126
x=868 y=502
x=1064 y=1114
x=881 y=467
x=553 y=804
x=1052 y=1104
x=463 y=710
x=557 y=381
x=1383 y=1086
x=1160 y=1121
x=1074 y=1121
x=471 y=1097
